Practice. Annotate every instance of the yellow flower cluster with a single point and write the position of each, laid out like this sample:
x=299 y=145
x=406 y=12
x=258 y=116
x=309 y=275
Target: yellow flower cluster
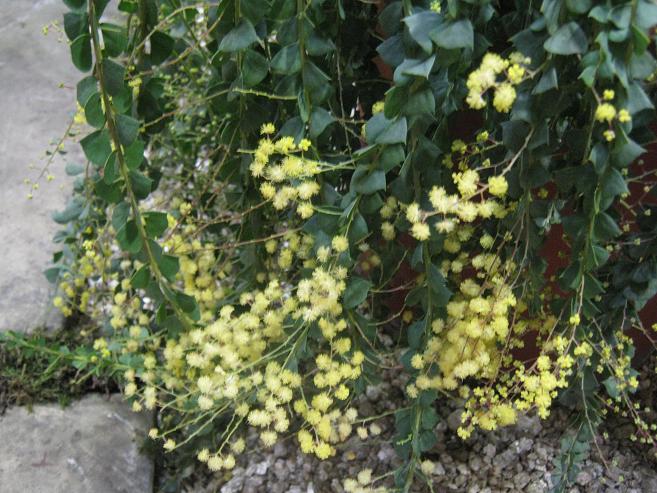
x=232 y=361
x=78 y=286
x=326 y=427
x=198 y=273
x=465 y=152
x=607 y=113
x=484 y=321
x=388 y=211
x=292 y=245
x=453 y=210
x=287 y=172
x=617 y=361
x=497 y=405
x=465 y=344
x=500 y=75
x=362 y=483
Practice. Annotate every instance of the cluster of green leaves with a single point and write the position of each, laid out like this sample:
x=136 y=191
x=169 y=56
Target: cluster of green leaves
x=307 y=65
x=575 y=449
x=120 y=174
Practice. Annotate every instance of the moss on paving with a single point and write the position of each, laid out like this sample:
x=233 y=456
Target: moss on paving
x=32 y=372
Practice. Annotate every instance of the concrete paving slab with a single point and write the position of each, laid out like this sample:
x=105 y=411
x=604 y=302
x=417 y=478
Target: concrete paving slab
x=34 y=111
x=90 y=447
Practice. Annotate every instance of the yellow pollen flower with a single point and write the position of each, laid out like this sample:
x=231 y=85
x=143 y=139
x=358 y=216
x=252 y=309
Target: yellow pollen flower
x=605 y=113
x=505 y=95
x=498 y=186
x=267 y=128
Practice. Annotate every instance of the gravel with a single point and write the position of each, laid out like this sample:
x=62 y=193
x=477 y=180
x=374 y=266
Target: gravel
x=512 y=459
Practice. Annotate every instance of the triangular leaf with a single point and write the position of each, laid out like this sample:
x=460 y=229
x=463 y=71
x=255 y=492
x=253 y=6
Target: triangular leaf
x=453 y=35
x=81 y=52
x=127 y=128
x=239 y=38
x=569 y=39
x=356 y=292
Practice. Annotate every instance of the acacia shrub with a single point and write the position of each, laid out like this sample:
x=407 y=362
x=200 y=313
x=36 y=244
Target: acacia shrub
x=255 y=191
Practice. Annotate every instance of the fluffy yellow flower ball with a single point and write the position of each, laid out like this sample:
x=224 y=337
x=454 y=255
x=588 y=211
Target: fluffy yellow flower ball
x=505 y=95
x=421 y=231
x=388 y=231
x=340 y=243
x=605 y=113
x=624 y=116
x=516 y=73
x=498 y=186
x=267 y=128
